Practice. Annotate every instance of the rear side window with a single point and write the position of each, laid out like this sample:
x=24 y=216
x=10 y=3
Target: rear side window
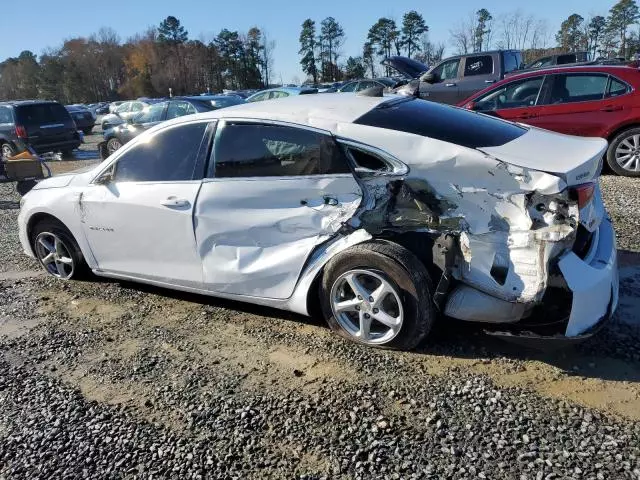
x=257 y=150
x=442 y=122
x=5 y=115
x=616 y=88
x=571 y=88
x=511 y=61
x=481 y=65
x=349 y=87
x=569 y=58
x=42 y=114
x=170 y=155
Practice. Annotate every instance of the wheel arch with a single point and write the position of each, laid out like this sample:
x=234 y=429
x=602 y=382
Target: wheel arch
x=37 y=218
x=419 y=244
x=621 y=128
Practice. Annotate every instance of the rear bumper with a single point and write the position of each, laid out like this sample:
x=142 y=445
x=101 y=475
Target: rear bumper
x=54 y=146
x=592 y=290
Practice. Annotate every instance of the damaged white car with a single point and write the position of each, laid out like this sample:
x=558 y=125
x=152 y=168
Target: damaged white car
x=380 y=212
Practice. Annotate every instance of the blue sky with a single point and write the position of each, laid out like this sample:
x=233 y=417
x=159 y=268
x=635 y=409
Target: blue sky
x=37 y=24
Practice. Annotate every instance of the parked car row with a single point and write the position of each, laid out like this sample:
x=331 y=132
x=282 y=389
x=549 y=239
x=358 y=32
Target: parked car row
x=116 y=136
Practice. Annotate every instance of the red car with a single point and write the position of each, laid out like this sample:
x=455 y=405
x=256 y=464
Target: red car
x=590 y=101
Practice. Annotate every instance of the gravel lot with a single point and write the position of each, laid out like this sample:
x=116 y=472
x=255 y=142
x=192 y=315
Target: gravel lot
x=113 y=380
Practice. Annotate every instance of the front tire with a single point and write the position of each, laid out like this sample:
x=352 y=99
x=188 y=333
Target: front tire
x=24 y=186
x=57 y=251
x=87 y=131
x=378 y=294
x=623 y=155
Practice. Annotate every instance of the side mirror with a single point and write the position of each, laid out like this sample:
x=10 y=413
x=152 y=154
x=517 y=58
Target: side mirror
x=429 y=77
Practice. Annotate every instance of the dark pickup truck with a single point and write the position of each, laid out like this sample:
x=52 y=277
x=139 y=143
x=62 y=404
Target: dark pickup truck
x=455 y=78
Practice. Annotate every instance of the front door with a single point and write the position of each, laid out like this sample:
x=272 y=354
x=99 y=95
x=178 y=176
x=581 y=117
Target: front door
x=140 y=223
x=517 y=101
x=274 y=193
x=445 y=86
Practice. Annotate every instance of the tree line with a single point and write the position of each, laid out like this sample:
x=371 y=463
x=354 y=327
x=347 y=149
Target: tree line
x=164 y=59
x=101 y=67
x=602 y=37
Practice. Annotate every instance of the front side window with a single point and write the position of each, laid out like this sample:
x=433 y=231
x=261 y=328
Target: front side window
x=571 y=88
x=541 y=62
x=481 y=65
x=565 y=59
x=137 y=107
x=523 y=93
x=123 y=108
x=349 y=87
x=366 y=84
x=179 y=109
x=169 y=155
x=278 y=94
x=447 y=70
x=257 y=150
x=258 y=98
x=151 y=114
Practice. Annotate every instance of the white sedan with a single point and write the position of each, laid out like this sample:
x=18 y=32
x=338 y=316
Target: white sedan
x=384 y=212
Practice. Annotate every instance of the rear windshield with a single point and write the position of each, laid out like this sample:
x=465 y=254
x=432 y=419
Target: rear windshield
x=442 y=122
x=42 y=114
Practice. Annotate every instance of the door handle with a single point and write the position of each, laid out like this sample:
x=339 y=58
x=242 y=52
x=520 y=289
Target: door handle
x=611 y=108
x=524 y=116
x=331 y=201
x=489 y=81
x=174 y=201
x=449 y=84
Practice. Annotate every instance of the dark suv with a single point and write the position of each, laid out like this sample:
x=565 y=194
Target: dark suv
x=45 y=126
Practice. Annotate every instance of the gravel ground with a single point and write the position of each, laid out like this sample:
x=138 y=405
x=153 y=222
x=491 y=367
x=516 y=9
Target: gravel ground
x=113 y=380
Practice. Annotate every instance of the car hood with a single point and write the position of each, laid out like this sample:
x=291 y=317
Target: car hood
x=406 y=66
x=575 y=159
x=63 y=179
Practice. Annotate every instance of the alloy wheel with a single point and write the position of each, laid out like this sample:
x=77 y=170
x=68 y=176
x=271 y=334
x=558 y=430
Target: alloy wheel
x=54 y=255
x=113 y=145
x=628 y=153
x=6 y=151
x=367 y=306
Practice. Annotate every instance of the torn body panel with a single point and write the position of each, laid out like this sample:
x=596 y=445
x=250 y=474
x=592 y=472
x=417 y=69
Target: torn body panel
x=512 y=223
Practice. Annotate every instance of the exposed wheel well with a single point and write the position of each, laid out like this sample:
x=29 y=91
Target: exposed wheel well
x=37 y=218
x=615 y=133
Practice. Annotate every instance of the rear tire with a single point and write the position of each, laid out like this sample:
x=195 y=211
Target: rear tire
x=113 y=144
x=399 y=319
x=87 y=131
x=67 y=153
x=57 y=251
x=617 y=156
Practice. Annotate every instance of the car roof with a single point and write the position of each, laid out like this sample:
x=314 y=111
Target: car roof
x=320 y=111
x=577 y=68
x=16 y=103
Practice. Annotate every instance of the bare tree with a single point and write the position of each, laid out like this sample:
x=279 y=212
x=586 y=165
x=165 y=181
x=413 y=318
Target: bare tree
x=268 y=46
x=463 y=34
x=521 y=31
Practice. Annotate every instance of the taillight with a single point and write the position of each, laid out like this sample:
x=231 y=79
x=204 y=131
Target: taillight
x=21 y=132
x=470 y=105
x=584 y=193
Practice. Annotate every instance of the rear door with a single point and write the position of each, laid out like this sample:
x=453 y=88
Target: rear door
x=45 y=123
x=478 y=72
x=576 y=104
x=445 y=88
x=274 y=192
